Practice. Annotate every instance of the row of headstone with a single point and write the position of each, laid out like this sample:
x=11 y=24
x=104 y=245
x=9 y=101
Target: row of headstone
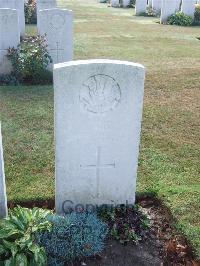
x=170 y=7
x=127 y=3
x=55 y=23
x=98 y=113
x=166 y=7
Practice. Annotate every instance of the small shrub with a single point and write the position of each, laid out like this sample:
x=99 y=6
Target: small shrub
x=197 y=15
x=73 y=236
x=151 y=12
x=127 y=224
x=180 y=19
x=30 y=61
x=17 y=237
x=30 y=12
x=9 y=80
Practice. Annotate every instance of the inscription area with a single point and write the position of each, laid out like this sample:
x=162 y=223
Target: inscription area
x=97 y=167
x=100 y=94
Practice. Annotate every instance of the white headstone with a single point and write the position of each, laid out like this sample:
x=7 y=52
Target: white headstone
x=57 y=24
x=98 y=112
x=114 y=3
x=45 y=4
x=150 y=3
x=9 y=36
x=156 y=5
x=140 y=7
x=188 y=7
x=126 y=3
x=19 y=6
x=3 y=197
x=168 y=8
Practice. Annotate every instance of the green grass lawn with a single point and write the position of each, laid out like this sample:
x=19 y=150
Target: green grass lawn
x=170 y=147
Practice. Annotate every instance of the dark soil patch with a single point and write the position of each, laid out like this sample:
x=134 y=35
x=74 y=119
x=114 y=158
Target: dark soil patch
x=160 y=245
x=116 y=254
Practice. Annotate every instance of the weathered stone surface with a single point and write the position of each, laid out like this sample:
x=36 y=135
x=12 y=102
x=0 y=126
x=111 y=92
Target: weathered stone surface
x=98 y=112
x=9 y=36
x=150 y=3
x=3 y=197
x=188 y=7
x=45 y=4
x=140 y=6
x=168 y=8
x=57 y=24
x=126 y=3
x=19 y=6
x=156 y=5
x=114 y=3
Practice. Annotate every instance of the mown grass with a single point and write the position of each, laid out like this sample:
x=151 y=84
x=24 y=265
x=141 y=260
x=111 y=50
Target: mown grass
x=169 y=157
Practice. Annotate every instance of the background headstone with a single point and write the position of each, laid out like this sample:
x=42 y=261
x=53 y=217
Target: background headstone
x=168 y=8
x=45 y=4
x=9 y=36
x=126 y=3
x=140 y=6
x=19 y=6
x=57 y=24
x=114 y=3
x=98 y=112
x=156 y=5
x=188 y=7
x=150 y=3
x=3 y=197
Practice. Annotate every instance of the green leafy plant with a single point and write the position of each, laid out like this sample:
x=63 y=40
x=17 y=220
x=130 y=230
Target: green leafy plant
x=197 y=15
x=180 y=19
x=17 y=237
x=30 y=61
x=30 y=12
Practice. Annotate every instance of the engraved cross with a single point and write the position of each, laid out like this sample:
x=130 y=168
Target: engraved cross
x=57 y=49
x=98 y=166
